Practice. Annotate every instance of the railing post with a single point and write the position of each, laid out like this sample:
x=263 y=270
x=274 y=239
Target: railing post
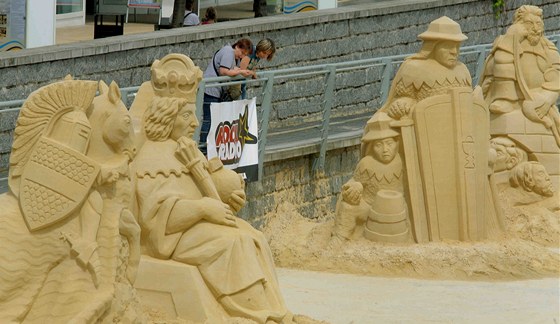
x=386 y=78
x=266 y=106
x=479 y=63
x=199 y=102
x=319 y=163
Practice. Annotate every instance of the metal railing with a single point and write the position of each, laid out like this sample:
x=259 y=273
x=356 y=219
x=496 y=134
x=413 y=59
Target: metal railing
x=267 y=79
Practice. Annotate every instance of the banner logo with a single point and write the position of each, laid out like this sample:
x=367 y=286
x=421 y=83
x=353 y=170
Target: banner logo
x=231 y=138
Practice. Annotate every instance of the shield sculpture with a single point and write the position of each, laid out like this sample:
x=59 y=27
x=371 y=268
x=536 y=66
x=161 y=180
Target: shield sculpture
x=452 y=137
x=55 y=182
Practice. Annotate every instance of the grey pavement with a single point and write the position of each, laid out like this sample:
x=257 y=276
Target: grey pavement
x=353 y=299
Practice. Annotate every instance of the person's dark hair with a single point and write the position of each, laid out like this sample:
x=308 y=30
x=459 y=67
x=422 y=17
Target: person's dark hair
x=265 y=45
x=210 y=13
x=189 y=4
x=245 y=44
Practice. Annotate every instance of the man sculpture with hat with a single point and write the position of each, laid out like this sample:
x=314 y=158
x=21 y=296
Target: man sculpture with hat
x=379 y=168
x=444 y=132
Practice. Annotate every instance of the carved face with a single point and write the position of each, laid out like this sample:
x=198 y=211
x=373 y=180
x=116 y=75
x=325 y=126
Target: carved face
x=534 y=28
x=502 y=159
x=385 y=149
x=185 y=123
x=542 y=184
x=447 y=53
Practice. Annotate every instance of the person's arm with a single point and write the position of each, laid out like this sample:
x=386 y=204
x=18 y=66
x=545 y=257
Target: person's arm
x=226 y=64
x=244 y=64
x=234 y=72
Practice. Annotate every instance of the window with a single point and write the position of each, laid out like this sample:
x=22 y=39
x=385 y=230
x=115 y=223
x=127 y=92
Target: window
x=69 y=6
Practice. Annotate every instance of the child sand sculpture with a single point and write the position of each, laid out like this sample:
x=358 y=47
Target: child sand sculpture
x=59 y=257
x=376 y=180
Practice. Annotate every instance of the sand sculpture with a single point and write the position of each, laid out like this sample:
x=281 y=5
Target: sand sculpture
x=453 y=177
x=187 y=205
x=443 y=127
x=374 y=195
x=521 y=84
x=69 y=242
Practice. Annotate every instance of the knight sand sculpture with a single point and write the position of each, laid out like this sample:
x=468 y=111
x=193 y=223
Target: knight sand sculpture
x=65 y=214
x=70 y=218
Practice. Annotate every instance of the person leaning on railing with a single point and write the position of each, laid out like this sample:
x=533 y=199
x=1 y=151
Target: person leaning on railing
x=264 y=50
x=223 y=62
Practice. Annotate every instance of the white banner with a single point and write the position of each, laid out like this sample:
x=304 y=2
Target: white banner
x=233 y=136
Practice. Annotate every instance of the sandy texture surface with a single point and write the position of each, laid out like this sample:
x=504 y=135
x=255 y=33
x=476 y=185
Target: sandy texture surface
x=300 y=243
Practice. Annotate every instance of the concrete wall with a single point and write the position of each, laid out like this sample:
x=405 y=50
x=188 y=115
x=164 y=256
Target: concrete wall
x=293 y=181
x=326 y=36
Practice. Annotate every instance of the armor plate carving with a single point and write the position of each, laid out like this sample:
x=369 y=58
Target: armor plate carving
x=54 y=183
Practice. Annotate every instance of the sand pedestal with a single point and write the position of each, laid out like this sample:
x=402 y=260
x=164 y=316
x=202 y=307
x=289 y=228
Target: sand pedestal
x=177 y=290
x=388 y=221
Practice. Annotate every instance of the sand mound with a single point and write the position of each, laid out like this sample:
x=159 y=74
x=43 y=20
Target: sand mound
x=300 y=243
x=538 y=222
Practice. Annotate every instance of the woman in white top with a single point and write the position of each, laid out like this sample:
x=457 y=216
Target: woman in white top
x=190 y=18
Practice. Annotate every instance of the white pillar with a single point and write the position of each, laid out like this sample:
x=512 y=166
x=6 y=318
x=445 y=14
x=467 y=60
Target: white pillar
x=326 y=4
x=40 y=23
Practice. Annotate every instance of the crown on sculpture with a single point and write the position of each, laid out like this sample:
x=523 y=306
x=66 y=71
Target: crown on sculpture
x=443 y=28
x=379 y=128
x=175 y=75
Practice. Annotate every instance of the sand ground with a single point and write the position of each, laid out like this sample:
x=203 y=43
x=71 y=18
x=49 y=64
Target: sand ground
x=353 y=299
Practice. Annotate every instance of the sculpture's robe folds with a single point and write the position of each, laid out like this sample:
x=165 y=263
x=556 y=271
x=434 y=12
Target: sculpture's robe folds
x=230 y=259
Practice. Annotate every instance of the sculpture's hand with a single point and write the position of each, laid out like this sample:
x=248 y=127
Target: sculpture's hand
x=399 y=109
x=542 y=111
x=237 y=200
x=352 y=192
x=218 y=213
x=187 y=150
x=107 y=175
